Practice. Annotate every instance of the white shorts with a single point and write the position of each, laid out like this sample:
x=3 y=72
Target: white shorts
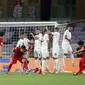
x=45 y=53
x=66 y=48
x=55 y=51
x=37 y=53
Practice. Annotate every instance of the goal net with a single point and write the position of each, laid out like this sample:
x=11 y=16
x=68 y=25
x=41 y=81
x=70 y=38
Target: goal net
x=12 y=32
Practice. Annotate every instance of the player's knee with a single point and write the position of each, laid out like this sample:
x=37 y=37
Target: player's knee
x=23 y=60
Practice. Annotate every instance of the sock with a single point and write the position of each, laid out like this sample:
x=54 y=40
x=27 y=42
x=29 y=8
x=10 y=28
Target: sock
x=72 y=58
x=40 y=63
x=43 y=65
x=64 y=60
x=36 y=63
x=25 y=66
x=56 y=65
x=47 y=64
x=9 y=67
x=29 y=67
x=22 y=65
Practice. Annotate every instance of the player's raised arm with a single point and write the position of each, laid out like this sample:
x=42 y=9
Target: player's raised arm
x=49 y=32
x=35 y=37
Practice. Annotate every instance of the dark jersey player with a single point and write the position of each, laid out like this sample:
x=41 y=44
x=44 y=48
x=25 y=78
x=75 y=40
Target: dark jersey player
x=18 y=56
x=82 y=60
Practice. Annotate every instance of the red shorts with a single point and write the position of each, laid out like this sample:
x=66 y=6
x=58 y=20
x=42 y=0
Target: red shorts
x=15 y=59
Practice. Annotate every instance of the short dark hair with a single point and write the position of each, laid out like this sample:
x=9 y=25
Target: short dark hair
x=23 y=46
x=68 y=25
x=2 y=33
x=56 y=28
x=38 y=29
x=80 y=42
x=22 y=33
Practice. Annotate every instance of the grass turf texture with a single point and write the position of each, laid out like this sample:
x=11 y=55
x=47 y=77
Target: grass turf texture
x=38 y=79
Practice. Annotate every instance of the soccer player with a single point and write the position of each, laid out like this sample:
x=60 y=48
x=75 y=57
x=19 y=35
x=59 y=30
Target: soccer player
x=18 y=56
x=82 y=60
x=55 y=48
x=1 y=42
x=37 y=48
x=24 y=40
x=44 y=51
x=66 y=47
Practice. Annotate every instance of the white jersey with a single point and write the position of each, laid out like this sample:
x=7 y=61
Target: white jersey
x=68 y=36
x=45 y=40
x=56 y=36
x=38 y=43
x=24 y=41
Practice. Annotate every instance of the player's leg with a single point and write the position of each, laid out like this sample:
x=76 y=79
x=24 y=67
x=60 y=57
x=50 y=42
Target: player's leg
x=43 y=65
x=65 y=53
x=47 y=64
x=26 y=56
x=22 y=60
x=36 y=60
x=47 y=60
x=56 y=60
x=81 y=66
x=44 y=56
x=14 y=60
x=40 y=59
x=71 y=55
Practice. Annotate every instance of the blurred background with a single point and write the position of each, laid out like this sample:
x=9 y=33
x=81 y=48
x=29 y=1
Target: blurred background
x=35 y=10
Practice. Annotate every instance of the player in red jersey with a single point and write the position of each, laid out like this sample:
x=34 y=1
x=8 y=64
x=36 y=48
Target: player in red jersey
x=1 y=42
x=82 y=60
x=18 y=56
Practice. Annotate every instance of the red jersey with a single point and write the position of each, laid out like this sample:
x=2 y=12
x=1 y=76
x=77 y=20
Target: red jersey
x=83 y=53
x=19 y=2
x=17 y=52
x=1 y=41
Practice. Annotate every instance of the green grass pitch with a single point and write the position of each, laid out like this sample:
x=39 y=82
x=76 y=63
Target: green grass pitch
x=38 y=79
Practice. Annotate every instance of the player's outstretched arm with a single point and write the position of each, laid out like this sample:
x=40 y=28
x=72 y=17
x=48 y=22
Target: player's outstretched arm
x=49 y=32
x=79 y=51
x=33 y=36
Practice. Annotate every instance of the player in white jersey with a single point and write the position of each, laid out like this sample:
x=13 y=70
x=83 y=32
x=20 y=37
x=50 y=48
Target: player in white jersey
x=37 y=47
x=67 y=49
x=55 y=48
x=24 y=40
x=44 y=51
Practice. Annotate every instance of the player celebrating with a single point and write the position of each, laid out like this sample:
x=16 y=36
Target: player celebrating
x=37 y=48
x=67 y=49
x=1 y=42
x=18 y=56
x=55 y=48
x=82 y=60
x=44 y=51
x=24 y=40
